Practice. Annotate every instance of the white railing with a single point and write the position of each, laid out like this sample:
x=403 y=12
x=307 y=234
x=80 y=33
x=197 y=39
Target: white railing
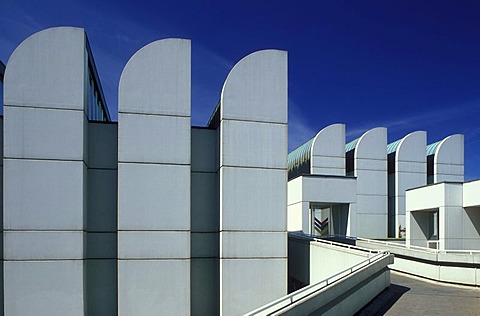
x=302 y=293
x=332 y=243
x=418 y=248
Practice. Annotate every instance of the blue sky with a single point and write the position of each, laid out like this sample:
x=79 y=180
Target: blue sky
x=405 y=65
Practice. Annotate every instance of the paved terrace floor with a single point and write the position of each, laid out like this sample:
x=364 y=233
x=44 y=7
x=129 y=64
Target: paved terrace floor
x=409 y=295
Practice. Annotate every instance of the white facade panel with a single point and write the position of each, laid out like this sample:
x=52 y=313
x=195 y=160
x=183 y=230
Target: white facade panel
x=54 y=76
x=142 y=287
x=471 y=196
x=253 y=144
x=34 y=245
x=297 y=218
x=372 y=204
x=247 y=207
x=44 y=194
x=372 y=145
x=328 y=171
x=451 y=150
x=237 y=277
x=153 y=244
x=294 y=188
x=253 y=244
x=371 y=182
x=44 y=287
x=44 y=133
x=454 y=227
x=428 y=197
x=329 y=189
x=371 y=164
x=153 y=197
x=156 y=80
x=411 y=167
x=256 y=88
x=153 y=139
x=453 y=194
x=330 y=142
x=444 y=170
x=407 y=180
x=328 y=162
x=371 y=225
x=448 y=178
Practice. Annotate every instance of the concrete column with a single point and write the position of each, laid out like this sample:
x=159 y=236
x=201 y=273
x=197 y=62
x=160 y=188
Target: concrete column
x=154 y=181
x=448 y=161
x=410 y=172
x=328 y=151
x=370 y=168
x=253 y=183
x=45 y=174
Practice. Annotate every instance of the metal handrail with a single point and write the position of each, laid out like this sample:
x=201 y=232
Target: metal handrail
x=296 y=296
x=419 y=248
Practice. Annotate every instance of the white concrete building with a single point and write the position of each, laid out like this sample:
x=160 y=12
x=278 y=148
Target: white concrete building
x=148 y=216
x=444 y=216
x=369 y=178
x=445 y=161
x=153 y=216
x=321 y=198
x=407 y=168
x=367 y=161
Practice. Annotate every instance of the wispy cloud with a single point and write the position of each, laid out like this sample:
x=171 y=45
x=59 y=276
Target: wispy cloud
x=422 y=121
x=298 y=129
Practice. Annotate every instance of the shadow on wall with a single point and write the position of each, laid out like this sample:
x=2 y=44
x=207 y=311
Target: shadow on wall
x=298 y=264
x=383 y=301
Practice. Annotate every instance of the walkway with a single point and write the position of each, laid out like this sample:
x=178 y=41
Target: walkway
x=409 y=295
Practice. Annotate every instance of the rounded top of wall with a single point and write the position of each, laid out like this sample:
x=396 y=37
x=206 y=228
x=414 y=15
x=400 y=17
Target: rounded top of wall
x=157 y=79
x=412 y=147
x=372 y=144
x=256 y=88
x=450 y=150
x=330 y=141
x=48 y=70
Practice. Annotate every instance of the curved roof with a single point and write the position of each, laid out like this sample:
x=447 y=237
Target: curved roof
x=300 y=155
x=392 y=147
x=432 y=148
x=351 y=145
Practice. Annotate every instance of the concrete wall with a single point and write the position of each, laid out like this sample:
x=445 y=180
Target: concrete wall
x=471 y=198
x=154 y=181
x=370 y=168
x=410 y=172
x=449 y=160
x=204 y=239
x=459 y=227
x=344 y=294
x=311 y=262
x=253 y=176
x=452 y=267
x=304 y=190
x=101 y=260
x=328 y=151
x=45 y=137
